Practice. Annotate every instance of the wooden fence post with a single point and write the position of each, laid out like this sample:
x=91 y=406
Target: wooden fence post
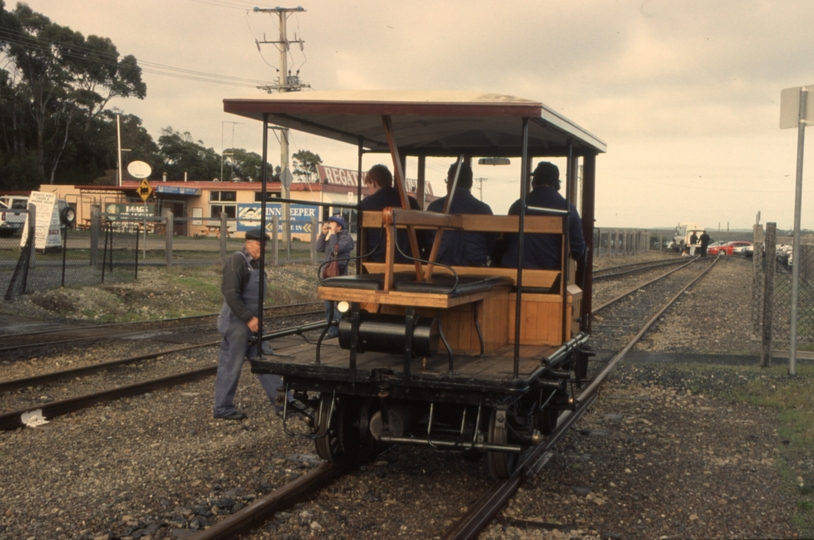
x=224 y=234
x=314 y=229
x=757 y=280
x=768 y=296
x=95 y=222
x=275 y=241
x=170 y=220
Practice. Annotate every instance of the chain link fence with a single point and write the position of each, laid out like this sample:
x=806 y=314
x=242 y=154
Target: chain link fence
x=114 y=247
x=780 y=288
x=620 y=242
x=83 y=257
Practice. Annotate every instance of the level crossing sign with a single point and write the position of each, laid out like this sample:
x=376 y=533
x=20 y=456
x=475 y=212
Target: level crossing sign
x=145 y=190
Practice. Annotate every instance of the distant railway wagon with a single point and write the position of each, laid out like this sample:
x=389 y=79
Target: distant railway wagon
x=463 y=359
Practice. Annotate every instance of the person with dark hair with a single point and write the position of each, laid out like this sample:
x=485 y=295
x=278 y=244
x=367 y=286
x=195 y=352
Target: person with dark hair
x=336 y=242
x=544 y=250
x=238 y=323
x=460 y=248
x=380 y=182
x=705 y=240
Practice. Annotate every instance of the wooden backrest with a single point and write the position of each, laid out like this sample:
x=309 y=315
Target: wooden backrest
x=468 y=222
x=531 y=278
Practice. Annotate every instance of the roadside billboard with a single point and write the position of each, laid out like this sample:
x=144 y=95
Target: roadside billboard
x=248 y=216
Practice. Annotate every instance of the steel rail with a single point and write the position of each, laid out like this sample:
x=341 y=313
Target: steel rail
x=481 y=513
x=13 y=419
x=598 y=275
x=121 y=335
x=285 y=496
x=148 y=321
x=634 y=289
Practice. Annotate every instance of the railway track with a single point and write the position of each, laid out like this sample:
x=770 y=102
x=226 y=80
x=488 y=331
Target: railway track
x=17 y=418
x=635 y=268
x=21 y=343
x=479 y=514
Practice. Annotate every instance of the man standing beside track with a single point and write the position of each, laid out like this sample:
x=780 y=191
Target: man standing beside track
x=241 y=287
x=705 y=239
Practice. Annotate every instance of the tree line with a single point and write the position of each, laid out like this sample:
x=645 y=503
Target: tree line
x=56 y=126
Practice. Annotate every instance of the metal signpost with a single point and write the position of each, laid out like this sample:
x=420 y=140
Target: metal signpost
x=140 y=169
x=794 y=106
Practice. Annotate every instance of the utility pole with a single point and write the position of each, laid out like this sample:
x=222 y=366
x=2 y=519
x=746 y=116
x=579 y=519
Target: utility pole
x=285 y=83
x=480 y=182
x=222 y=149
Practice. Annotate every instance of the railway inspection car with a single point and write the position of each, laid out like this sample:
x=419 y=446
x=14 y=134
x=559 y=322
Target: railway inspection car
x=466 y=359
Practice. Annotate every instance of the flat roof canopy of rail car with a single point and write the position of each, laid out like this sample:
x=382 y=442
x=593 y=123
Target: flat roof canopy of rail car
x=433 y=123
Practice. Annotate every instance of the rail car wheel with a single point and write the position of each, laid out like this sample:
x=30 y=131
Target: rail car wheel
x=343 y=432
x=500 y=464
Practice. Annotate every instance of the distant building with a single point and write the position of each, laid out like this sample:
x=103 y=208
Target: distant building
x=199 y=203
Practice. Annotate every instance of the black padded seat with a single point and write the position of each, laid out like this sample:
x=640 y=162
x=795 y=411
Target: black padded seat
x=368 y=282
x=554 y=289
x=443 y=284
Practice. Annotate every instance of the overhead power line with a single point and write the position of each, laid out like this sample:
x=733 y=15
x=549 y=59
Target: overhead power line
x=87 y=54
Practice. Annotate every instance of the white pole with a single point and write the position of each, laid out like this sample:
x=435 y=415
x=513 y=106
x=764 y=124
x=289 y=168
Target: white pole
x=119 y=147
x=798 y=195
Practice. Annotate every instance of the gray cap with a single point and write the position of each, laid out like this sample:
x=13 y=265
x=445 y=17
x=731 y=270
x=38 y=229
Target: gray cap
x=256 y=234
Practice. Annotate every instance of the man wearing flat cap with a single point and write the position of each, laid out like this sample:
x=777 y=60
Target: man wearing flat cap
x=335 y=241
x=241 y=287
x=545 y=250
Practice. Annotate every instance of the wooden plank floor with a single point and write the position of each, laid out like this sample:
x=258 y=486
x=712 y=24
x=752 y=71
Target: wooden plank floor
x=497 y=366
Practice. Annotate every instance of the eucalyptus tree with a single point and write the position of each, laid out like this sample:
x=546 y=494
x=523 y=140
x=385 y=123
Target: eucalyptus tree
x=182 y=156
x=305 y=165
x=61 y=77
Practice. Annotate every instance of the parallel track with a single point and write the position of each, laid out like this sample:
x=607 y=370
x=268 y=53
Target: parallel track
x=481 y=513
x=13 y=419
x=113 y=331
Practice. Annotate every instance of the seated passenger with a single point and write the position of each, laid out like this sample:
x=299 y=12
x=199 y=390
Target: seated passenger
x=459 y=248
x=544 y=250
x=379 y=180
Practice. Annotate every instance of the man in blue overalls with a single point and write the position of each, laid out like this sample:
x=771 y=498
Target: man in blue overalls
x=237 y=323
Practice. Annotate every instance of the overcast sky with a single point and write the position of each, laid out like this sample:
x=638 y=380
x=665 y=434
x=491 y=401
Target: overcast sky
x=686 y=93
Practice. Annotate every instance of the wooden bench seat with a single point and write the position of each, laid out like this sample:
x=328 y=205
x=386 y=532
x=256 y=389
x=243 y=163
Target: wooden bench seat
x=406 y=282
x=542 y=280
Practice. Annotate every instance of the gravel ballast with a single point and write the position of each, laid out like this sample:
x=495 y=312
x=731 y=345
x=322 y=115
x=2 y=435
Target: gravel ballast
x=657 y=456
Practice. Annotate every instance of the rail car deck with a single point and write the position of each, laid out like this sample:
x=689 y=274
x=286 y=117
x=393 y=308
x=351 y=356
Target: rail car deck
x=490 y=372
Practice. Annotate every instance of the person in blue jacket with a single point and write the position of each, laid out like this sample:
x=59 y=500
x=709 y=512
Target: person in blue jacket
x=544 y=250
x=335 y=239
x=237 y=323
x=459 y=248
x=379 y=181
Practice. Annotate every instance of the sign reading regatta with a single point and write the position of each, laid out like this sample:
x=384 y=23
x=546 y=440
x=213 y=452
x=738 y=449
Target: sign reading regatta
x=248 y=216
x=46 y=234
x=347 y=177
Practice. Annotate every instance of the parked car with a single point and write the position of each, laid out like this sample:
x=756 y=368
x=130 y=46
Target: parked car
x=784 y=254
x=727 y=248
x=11 y=221
x=742 y=249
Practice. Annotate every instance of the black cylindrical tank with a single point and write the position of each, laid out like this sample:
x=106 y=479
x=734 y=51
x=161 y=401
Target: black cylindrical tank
x=385 y=333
